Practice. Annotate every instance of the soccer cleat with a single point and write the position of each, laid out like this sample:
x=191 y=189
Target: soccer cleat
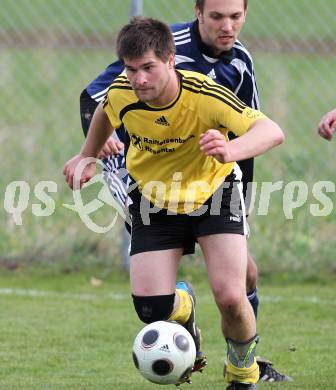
x=241 y=386
x=190 y=325
x=186 y=378
x=200 y=362
x=270 y=374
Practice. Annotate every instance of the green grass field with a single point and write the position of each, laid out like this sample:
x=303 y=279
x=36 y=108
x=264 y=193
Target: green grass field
x=60 y=332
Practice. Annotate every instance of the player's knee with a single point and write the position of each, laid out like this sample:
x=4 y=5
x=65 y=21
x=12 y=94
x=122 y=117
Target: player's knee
x=230 y=300
x=153 y=308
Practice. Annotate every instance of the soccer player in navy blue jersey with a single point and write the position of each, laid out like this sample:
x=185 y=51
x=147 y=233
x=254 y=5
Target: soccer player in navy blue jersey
x=208 y=45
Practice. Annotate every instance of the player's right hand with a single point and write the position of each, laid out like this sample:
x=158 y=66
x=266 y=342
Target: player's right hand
x=213 y=143
x=111 y=147
x=327 y=126
x=86 y=171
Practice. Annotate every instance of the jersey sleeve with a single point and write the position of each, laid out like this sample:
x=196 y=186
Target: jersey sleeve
x=233 y=114
x=99 y=86
x=109 y=105
x=248 y=89
x=240 y=122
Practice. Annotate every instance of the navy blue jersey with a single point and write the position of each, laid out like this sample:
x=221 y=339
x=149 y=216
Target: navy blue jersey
x=233 y=69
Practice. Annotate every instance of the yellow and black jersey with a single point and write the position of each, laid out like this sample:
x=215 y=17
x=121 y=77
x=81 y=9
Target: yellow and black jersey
x=164 y=155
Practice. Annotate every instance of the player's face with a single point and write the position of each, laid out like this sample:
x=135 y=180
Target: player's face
x=220 y=23
x=150 y=77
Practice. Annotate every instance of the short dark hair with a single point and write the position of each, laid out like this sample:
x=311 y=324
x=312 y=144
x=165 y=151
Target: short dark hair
x=200 y=4
x=142 y=34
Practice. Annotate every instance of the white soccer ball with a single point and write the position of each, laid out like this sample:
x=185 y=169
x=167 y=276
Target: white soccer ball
x=164 y=352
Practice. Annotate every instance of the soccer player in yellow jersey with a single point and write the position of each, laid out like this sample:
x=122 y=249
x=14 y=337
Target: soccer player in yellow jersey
x=188 y=185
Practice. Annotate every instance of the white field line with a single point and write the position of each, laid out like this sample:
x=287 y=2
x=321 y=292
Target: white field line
x=59 y=295
x=31 y=293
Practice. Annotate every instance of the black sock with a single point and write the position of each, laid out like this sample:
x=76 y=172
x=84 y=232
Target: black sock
x=254 y=300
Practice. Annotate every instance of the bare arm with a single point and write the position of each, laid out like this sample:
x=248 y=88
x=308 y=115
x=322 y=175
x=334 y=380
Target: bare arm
x=327 y=126
x=263 y=135
x=99 y=131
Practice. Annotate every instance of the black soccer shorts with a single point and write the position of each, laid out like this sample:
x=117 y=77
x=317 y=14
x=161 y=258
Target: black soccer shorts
x=225 y=214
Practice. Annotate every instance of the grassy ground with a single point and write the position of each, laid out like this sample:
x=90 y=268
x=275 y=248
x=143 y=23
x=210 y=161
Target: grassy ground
x=61 y=332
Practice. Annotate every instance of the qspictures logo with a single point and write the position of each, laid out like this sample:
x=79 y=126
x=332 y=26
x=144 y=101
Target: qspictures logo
x=18 y=195
x=107 y=195
x=318 y=198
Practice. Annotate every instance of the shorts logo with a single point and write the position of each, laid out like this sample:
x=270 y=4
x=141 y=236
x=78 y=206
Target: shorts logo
x=235 y=218
x=162 y=121
x=137 y=141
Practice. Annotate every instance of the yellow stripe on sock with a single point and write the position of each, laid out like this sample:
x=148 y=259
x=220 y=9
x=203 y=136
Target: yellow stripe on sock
x=183 y=311
x=243 y=375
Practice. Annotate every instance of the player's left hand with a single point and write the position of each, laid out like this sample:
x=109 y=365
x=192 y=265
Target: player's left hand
x=111 y=147
x=213 y=143
x=86 y=173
